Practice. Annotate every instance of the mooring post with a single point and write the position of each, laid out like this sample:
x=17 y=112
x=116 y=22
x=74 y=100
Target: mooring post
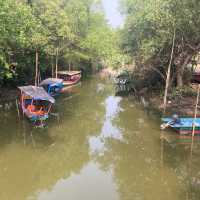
x=195 y=112
x=57 y=62
x=17 y=106
x=36 y=68
x=168 y=73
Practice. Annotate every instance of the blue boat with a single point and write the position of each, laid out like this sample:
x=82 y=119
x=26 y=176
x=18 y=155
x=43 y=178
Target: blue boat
x=35 y=103
x=53 y=86
x=182 y=125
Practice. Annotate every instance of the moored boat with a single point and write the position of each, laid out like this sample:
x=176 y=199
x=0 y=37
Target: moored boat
x=196 y=77
x=69 y=77
x=178 y=139
x=35 y=103
x=53 y=86
x=122 y=78
x=182 y=125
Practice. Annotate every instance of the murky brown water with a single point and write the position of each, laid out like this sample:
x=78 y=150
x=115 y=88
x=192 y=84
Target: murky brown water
x=103 y=148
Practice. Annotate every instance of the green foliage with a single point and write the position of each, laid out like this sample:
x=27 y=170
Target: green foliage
x=178 y=93
x=150 y=26
x=77 y=28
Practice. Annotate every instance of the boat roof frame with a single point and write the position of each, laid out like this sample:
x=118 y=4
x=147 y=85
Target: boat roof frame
x=69 y=73
x=37 y=93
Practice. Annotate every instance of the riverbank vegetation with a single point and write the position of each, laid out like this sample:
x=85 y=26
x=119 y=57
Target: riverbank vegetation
x=159 y=34
x=75 y=34
x=148 y=34
x=71 y=33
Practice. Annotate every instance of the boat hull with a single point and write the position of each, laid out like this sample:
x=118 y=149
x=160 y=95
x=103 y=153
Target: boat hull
x=195 y=78
x=70 y=83
x=184 y=126
x=188 y=130
x=55 y=91
x=70 y=88
x=33 y=117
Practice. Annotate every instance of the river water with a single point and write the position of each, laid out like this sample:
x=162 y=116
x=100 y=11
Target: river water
x=101 y=147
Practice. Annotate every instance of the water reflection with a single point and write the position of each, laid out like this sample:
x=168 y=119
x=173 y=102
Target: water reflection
x=109 y=129
x=103 y=147
x=135 y=161
x=76 y=188
x=186 y=164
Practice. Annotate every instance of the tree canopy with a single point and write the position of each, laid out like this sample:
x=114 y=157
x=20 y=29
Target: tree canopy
x=77 y=28
x=149 y=29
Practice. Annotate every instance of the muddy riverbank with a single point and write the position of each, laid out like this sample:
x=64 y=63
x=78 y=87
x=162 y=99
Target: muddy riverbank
x=8 y=94
x=179 y=102
x=181 y=105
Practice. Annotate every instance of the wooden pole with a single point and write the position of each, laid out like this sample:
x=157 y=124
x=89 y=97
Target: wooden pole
x=36 y=68
x=168 y=73
x=195 y=112
x=56 y=62
x=49 y=108
x=52 y=67
x=22 y=102
x=69 y=66
x=39 y=77
x=193 y=130
x=17 y=106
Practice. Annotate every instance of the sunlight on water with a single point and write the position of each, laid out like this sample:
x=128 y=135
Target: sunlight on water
x=108 y=130
x=75 y=186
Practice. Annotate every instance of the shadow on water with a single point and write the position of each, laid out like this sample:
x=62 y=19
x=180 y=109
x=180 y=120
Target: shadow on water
x=102 y=147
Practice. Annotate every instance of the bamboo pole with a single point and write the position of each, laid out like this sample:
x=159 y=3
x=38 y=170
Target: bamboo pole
x=193 y=130
x=36 y=68
x=49 y=109
x=17 y=106
x=22 y=102
x=69 y=66
x=193 y=127
x=52 y=67
x=195 y=112
x=39 y=77
x=57 y=62
x=168 y=74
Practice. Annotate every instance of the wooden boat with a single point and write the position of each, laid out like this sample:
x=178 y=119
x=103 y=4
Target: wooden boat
x=182 y=125
x=69 y=77
x=196 y=77
x=122 y=78
x=176 y=139
x=53 y=86
x=35 y=103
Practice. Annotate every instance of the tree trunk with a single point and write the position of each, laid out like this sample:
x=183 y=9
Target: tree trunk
x=56 y=62
x=179 y=76
x=180 y=70
x=36 y=68
x=168 y=74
